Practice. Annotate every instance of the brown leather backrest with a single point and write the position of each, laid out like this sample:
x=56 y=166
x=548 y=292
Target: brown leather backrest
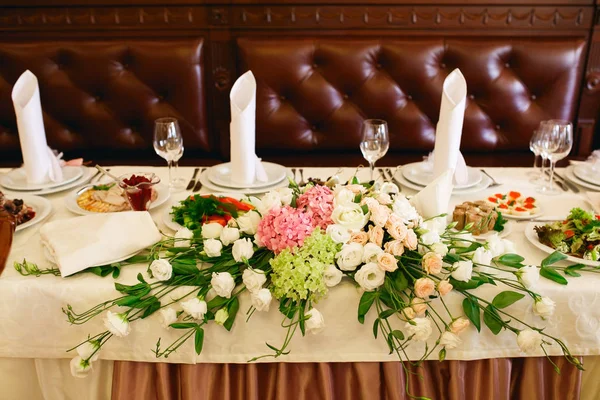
x=314 y=93
x=107 y=94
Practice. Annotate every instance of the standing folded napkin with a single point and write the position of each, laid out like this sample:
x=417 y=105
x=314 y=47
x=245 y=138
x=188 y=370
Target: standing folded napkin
x=449 y=128
x=82 y=242
x=41 y=165
x=434 y=198
x=245 y=166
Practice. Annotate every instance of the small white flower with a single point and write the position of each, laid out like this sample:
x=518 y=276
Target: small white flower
x=421 y=328
x=437 y=225
x=213 y=247
x=482 y=256
x=332 y=276
x=221 y=316
x=338 y=233
x=450 y=340
x=261 y=300
x=183 y=233
x=404 y=209
x=370 y=277
x=463 y=239
x=342 y=196
x=286 y=195
x=80 y=367
x=253 y=280
x=161 y=269
x=370 y=253
x=243 y=249
x=544 y=307
x=528 y=275
x=258 y=242
x=463 y=270
x=350 y=216
x=439 y=248
x=117 y=324
x=86 y=349
x=270 y=200
x=248 y=223
x=211 y=230
x=229 y=235
x=167 y=316
x=389 y=188
x=222 y=283
x=509 y=247
x=529 y=340
x=430 y=238
x=315 y=322
x=195 y=307
x=495 y=244
x=350 y=256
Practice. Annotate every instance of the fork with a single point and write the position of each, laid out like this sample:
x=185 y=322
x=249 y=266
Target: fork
x=198 y=184
x=383 y=174
x=98 y=176
x=494 y=182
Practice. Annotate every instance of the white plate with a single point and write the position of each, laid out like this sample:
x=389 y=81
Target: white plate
x=586 y=173
x=415 y=173
x=482 y=185
x=88 y=173
x=570 y=175
x=162 y=191
x=16 y=180
x=508 y=227
x=220 y=175
x=167 y=219
x=249 y=191
x=50 y=258
x=511 y=216
x=533 y=239
x=40 y=205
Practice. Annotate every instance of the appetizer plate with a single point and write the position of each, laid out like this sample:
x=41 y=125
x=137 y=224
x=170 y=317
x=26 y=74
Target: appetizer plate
x=249 y=191
x=40 y=205
x=533 y=239
x=482 y=185
x=417 y=174
x=167 y=218
x=586 y=173
x=220 y=175
x=88 y=173
x=508 y=227
x=570 y=175
x=16 y=179
x=162 y=191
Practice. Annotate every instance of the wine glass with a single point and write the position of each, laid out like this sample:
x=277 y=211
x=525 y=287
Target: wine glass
x=533 y=146
x=168 y=143
x=375 y=141
x=556 y=144
x=538 y=177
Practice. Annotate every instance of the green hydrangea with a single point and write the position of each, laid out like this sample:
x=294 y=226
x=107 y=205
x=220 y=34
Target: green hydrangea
x=298 y=275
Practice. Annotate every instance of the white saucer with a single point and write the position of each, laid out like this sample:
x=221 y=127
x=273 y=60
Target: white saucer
x=220 y=189
x=586 y=173
x=415 y=173
x=162 y=191
x=40 y=205
x=482 y=185
x=88 y=173
x=570 y=175
x=220 y=175
x=16 y=180
x=174 y=226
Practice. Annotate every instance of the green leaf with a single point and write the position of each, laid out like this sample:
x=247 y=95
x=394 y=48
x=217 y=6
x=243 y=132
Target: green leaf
x=232 y=309
x=500 y=222
x=357 y=198
x=366 y=301
x=553 y=258
x=398 y=334
x=475 y=282
x=365 y=209
x=505 y=299
x=386 y=313
x=152 y=308
x=199 y=340
x=510 y=259
x=140 y=278
x=127 y=301
x=182 y=268
x=442 y=354
x=183 y=325
x=399 y=280
x=472 y=247
x=302 y=318
x=137 y=259
x=376 y=327
x=390 y=342
x=451 y=258
x=492 y=319
x=116 y=272
x=570 y=270
x=217 y=302
x=354 y=180
x=471 y=309
x=553 y=275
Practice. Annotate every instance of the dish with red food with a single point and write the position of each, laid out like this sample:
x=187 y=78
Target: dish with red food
x=27 y=210
x=515 y=205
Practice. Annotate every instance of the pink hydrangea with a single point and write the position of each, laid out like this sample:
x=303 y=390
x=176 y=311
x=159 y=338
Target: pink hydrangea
x=284 y=228
x=318 y=204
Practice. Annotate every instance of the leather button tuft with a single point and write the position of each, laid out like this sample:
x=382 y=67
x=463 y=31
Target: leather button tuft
x=345 y=96
x=533 y=97
x=378 y=66
x=472 y=97
x=313 y=128
x=282 y=97
x=98 y=97
x=443 y=65
x=409 y=97
x=507 y=65
x=315 y=65
x=497 y=127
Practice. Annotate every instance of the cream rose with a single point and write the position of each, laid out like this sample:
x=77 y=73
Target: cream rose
x=161 y=269
x=248 y=223
x=387 y=262
x=395 y=247
x=360 y=237
x=529 y=340
x=261 y=300
x=80 y=367
x=389 y=188
x=404 y=209
x=459 y=325
x=89 y=350
x=350 y=216
x=398 y=231
x=167 y=316
x=450 y=340
x=229 y=235
x=222 y=283
x=183 y=237
x=528 y=275
x=350 y=256
x=482 y=256
x=444 y=287
x=376 y=235
x=211 y=230
x=462 y=270
x=440 y=248
x=379 y=215
x=195 y=307
x=286 y=195
x=315 y=322
x=338 y=233
x=242 y=250
x=420 y=330
x=410 y=241
x=419 y=305
x=332 y=276
x=369 y=277
x=424 y=287
x=213 y=247
x=432 y=263
x=384 y=198
x=430 y=238
x=342 y=196
x=370 y=253
x=253 y=280
x=544 y=307
x=117 y=324
x=409 y=313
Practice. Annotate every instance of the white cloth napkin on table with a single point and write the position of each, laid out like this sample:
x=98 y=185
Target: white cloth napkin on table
x=78 y=243
x=40 y=163
x=246 y=167
x=434 y=198
x=449 y=128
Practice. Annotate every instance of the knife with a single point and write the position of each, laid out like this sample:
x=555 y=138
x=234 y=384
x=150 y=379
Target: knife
x=198 y=184
x=571 y=186
x=558 y=182
x=193 y=180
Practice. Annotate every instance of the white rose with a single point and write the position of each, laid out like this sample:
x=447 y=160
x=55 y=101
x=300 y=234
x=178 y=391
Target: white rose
x=421 y=329
x=161 y=269
x=258 y=242
x=211 y=230
x=221 y=316
x=117 y=324
x=315 y=322
x=248 y=223
x=229 y=235
x=332 y=276
x=242 y=250
x=483 y=256
x=437 y=225
x=86 y=349
x=528 y=275
x=261 y=300
x=195 y=307
x=529 y=340
x=389 y=188
x=380 y=215
x=342 y=196
x=80 y=367
x=462 y=270
x=213 y=247
x=370 y=277
x=439 y=248
x=222 y=283
x=167 y=316
x=183 y=233
x=509 y=247
x=370 y=253
x=270 y=200
x=430 y=238
x=544 y=307
x=253 y=280
x=338 y=233
x=495 y=245
x=450 y=340
x=350 y=256
x=404 y=209
x=350 y=216
x=286 y=195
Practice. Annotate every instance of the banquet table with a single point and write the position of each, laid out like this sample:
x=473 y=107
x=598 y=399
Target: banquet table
x=35 y=334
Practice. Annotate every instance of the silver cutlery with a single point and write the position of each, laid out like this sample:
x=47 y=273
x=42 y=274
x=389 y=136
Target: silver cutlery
x=198 y=184
x=383 y=174
x=294 y=174
x=100 y=174
x=190 y=185
x=302 y=182
x=538 y=220
x=558 y=182
x=392 y=176
x=494 y=182
x=568 y=183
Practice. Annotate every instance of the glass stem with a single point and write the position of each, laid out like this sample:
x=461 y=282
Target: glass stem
x=551 y=174
x=543 y=168
x=535 y=157
x=175 y=169
x=170 y=176
x=372 y=167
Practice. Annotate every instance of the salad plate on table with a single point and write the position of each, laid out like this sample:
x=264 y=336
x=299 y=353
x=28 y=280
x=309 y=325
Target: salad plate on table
x=577 y=236
x=28 y=210
x=481 y=219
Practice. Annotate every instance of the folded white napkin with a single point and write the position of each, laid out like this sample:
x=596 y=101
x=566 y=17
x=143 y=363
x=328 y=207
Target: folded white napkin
x=78 y=243
x=449 y=128
x=40 y=163
x=246 y=168
x=434 y=198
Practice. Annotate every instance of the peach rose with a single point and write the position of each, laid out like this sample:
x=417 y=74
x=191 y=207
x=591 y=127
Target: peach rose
x=360 y=237
x=410 y=241
x=379 y=215
x=444 y=287
x=387 y=262
x=393 y=219
x=409 y=313
x=398 y=231
x=376 y=235
x=356 y=189
x=419 y=305
x=424 y=287
x=384 y=198
x=432 y=263
x=395 y=247
x=370 y=202
x=459 y=325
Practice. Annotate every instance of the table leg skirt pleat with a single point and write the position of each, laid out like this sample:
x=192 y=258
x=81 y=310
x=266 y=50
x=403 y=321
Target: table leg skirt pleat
x=517 y=378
